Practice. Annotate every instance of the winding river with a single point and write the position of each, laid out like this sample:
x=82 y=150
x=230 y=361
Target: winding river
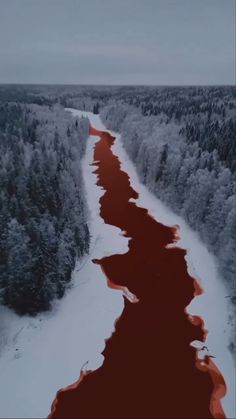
x=150 y=369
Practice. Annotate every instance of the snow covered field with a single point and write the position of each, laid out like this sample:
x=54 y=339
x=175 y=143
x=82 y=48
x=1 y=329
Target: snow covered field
x=38 y=356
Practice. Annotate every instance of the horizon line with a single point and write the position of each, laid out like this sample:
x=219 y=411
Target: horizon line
x=115 y=85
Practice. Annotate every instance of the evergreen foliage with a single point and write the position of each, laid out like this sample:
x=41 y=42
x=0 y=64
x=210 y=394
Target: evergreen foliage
x=43 y=214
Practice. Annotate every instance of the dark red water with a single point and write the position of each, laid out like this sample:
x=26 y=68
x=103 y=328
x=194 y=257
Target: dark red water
x=150 y=370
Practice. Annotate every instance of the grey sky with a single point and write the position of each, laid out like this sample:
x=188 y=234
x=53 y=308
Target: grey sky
x=117 y=41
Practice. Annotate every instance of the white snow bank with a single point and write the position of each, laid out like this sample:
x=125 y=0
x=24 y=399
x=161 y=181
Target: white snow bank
x=38 y=356
x=213 y=304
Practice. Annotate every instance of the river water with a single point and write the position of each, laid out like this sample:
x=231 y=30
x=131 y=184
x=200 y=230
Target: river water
x=150 y=369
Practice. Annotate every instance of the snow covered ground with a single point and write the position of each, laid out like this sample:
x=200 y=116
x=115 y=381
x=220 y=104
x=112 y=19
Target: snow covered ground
x=40 y=355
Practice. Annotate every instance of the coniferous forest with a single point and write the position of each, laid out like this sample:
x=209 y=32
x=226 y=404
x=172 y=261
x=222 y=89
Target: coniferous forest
x=43 y=213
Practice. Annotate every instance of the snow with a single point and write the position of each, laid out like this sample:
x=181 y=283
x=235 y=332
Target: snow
x=40 y=355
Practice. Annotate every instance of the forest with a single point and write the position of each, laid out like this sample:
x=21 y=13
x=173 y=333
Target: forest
x=181 y=139
x=43 y=212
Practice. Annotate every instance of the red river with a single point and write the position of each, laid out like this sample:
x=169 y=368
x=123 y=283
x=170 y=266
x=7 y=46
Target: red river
x=150 y=370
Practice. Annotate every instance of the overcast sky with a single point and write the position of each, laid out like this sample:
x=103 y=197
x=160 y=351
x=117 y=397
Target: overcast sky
x=117 y=41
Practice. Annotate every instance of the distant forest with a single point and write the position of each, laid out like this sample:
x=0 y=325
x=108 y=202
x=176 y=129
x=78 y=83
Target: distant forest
x=181 y=139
